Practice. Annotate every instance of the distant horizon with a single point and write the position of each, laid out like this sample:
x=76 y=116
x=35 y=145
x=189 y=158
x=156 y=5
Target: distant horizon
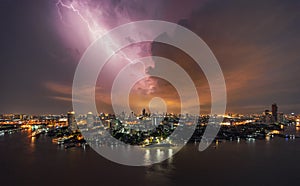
x=226 y=113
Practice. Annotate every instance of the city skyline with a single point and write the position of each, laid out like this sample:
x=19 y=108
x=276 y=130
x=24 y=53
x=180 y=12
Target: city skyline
x=274 y=114
x=257 y=51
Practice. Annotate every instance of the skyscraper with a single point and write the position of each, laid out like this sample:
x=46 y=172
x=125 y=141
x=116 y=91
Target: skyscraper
x=72 y=121
x=274 y=112
x=144 y=112
x=90 y=120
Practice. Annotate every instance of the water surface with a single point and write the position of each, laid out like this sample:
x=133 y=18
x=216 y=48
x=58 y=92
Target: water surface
x=29 y=161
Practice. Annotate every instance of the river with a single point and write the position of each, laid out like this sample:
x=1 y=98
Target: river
x=29 y=161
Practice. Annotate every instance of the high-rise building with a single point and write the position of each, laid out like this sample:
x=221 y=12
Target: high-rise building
x=72 y=121
x=267 y=117
x=144 y=112
x=280 y=117
x=90 y=120
x=274 y=111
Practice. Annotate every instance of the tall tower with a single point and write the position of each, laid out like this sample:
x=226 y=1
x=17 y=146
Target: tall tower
x=72 y=121
x=90 y=120
x=274 y=111
x=144 y=112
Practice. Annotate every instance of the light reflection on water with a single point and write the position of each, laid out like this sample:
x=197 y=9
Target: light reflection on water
x=160 y=172
x=32 y=142
x=158 y=154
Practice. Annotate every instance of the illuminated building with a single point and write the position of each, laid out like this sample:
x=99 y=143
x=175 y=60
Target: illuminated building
x=280 y=117
x=156 y=120
x=9 y=117
x=90 y=120
x=72 y=121
x=267 y=117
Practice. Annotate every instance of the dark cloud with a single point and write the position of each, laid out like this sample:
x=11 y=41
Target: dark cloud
x=256 y=42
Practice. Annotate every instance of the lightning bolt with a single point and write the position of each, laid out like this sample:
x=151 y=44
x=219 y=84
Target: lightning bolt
x=96 y=32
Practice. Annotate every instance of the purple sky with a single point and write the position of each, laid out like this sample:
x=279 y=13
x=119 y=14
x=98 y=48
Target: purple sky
x=257 y=44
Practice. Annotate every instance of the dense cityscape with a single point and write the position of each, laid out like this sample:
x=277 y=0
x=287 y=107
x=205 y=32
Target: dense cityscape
x=146 y=129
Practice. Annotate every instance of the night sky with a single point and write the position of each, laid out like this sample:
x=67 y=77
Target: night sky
x=257 y=44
